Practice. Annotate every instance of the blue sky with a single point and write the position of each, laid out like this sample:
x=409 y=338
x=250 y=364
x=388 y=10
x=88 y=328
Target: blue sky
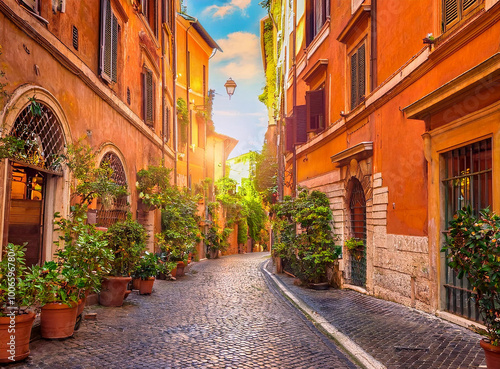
x=235 y=26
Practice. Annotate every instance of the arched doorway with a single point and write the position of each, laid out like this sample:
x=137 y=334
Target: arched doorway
x=31 y=170
x=357 y=229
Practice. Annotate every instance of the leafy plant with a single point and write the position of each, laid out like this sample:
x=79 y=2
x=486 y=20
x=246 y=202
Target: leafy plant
x=91 y=181
x=149 y=266
x=353 y=244
x=127 y=241
x=216 y=237
x=152 y=184
x=473 y=250
x=310 y=250
x=83 y=248
x=56 y=283
x=182 y=118
x=16 y=293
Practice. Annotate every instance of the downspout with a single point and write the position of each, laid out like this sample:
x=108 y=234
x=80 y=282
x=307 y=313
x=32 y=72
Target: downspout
x=174 y=96
x=163 y=102
x=188 y=86
x=294 y=46
x=373 y=58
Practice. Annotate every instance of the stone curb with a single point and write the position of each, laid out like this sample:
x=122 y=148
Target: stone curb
x=363 y=358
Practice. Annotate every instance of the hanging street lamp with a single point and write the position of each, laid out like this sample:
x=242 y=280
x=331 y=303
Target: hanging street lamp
x=230 y=85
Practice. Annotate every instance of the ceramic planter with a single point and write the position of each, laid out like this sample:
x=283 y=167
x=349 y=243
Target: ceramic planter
x=180 y=269
x=146 y=287
x=492 y=354
x=113 y=291
x=58 y=320
x=19 y=348
x=136 y=283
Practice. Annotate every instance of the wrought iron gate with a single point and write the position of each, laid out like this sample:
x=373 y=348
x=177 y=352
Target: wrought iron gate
x=357 y=206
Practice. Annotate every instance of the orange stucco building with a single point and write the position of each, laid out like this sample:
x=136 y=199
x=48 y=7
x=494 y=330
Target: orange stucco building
x=108 y=71
x=392 y=110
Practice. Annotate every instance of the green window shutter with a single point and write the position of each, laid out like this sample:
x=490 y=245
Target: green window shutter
x=114 y=48
x=354 y=81
x=361 y=73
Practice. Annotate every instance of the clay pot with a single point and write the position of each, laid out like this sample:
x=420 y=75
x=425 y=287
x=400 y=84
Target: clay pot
x=113 y=291
x=492 y=354
x=58 y=320
x=146 y=287
x=127 y=292
x=136 y=283
x=21 y=342
x=180 y=269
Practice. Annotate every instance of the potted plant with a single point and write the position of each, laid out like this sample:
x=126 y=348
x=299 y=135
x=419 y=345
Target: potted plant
x=147 y=269
x=356 y=247
x=473 y=250
x=83 y=248
x=58 y=287
x=17 y=297
x=127 y=241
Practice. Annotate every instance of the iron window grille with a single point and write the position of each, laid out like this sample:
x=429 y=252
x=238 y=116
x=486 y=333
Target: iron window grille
x=467 y=182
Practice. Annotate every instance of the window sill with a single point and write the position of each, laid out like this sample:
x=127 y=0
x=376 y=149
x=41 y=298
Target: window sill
x=320 y=37
x=44 y=21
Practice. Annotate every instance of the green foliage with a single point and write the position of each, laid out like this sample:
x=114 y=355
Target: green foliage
x=179 y=219
x=473 y=250
x=56 y=283
x=353 y=244
x=153 y=183
x=149 y=266
x=225 y=189
x=183 y=118
x=92 y=181
x=242 y=231
x=268 y=95
x=127 y=240
x=216 y=237
x=311 y=249
x=83 y=248
x=266 y=175
x=16 y=293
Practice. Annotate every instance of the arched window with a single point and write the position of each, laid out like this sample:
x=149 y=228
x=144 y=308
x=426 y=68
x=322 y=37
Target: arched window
x=43 y=135
x=108 y=215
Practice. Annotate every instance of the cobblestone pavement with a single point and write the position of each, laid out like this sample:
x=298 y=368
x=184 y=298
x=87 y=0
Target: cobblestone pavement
x=396 y=336
x=220 y=315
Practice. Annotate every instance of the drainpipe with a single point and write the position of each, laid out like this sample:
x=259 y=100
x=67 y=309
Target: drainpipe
x=174 y=95
x=188 y=86
x=373 y=66
x=294 y=46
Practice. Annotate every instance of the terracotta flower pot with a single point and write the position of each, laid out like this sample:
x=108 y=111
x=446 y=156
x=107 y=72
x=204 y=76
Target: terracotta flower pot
x=58 y=320
x=113 y=290
x=180 y=269
x=146 y=287
x=136 y=283
x=492 y=354
x=19 y=347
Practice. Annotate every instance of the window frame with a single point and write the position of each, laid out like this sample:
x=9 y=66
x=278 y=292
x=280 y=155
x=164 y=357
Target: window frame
x=461 y=14
x=112 y=20
x=148 y=101
x=313 y=28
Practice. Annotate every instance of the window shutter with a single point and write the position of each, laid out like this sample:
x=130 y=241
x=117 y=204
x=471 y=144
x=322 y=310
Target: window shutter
x=108 y=24
x=450 y=12
x=315 y=110
x=149 y=98
x=361 y=74
x=114 y=48
x=144 y=97
x=354 y=80
x=289 y=134
x=300 y=117
x=468 y=4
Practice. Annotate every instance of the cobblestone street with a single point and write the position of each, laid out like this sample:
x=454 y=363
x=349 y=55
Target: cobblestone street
x=222 y=314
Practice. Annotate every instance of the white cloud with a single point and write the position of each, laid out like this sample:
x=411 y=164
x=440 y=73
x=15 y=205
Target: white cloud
x=241 y=56
x=229 y=8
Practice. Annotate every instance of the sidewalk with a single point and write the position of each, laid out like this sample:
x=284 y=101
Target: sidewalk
x=383 y=334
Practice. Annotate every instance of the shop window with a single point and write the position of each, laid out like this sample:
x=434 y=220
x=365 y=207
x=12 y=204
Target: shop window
x=317 y=13
x=456 y=10
x=315 y=103
x=358 y=76
x=467 y=182
x=148 y=92
x=108 y=43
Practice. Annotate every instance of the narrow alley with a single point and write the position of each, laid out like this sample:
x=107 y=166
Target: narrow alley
x=222 y=314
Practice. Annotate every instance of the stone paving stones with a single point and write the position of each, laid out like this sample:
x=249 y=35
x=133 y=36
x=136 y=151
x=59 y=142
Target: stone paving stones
x=222 y=314
x=396 y=336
